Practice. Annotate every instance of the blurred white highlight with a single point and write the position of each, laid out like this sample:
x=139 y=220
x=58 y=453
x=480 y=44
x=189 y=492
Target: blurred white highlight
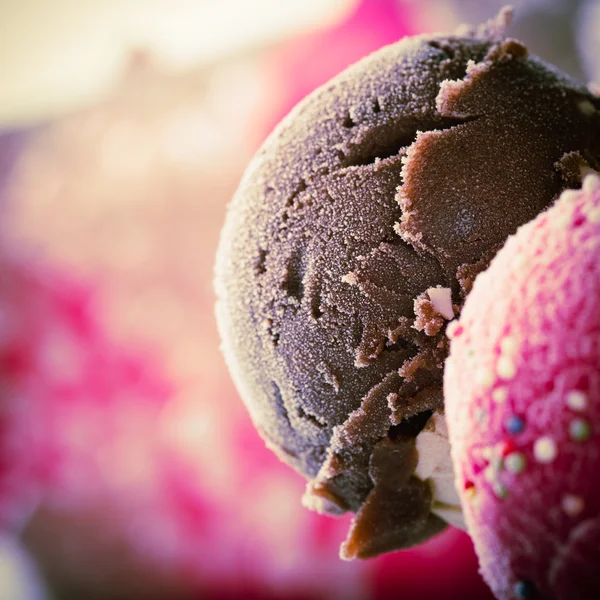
x=61 y=54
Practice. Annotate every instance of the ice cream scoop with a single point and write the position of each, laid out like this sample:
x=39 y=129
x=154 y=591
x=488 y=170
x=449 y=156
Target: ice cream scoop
x=355 y=236
x=522 y=393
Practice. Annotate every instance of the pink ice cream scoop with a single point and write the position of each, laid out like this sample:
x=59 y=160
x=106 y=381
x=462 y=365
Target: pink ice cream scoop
x=522 y=394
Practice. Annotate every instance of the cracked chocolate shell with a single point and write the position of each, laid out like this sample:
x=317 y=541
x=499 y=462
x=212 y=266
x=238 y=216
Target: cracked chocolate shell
x=405 y=173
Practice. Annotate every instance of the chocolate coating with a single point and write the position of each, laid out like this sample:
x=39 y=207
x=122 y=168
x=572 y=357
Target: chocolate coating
x=405 y=172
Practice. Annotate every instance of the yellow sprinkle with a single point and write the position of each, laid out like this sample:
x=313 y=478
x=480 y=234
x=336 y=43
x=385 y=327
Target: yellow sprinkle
x=499 y=395
x=545 y=450
x=576 y=400
x=485 y=377
x=506 y=367
x=470 y=492
x=508 y=345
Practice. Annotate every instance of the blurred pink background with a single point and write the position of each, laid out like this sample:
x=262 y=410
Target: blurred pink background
x=128 y=465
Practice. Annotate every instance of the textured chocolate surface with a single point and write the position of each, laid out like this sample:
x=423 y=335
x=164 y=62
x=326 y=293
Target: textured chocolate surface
x=406 y=172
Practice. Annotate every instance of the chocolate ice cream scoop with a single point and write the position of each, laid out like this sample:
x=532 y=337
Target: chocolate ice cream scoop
x=355 y=236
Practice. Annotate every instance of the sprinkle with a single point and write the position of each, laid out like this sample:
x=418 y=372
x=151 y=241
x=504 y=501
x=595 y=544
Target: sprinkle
x=470 y=491
x=508 y=345
x=576 y=400
x=485 y=377
x=500 y=490
x=524 y=589
x=506 y=367
x=520 y=261
x=572 y=505
x=514 y=424
x=545 y=450
x=454 y=329
x=472 y=497
x=580 y=430
x=497 y=463
x=499 y=395
x=594 y=216
x=515 y=462
x=489 y=473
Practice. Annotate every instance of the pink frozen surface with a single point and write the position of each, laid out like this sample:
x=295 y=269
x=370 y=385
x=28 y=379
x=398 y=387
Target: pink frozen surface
x=522 y=389
x=57 y=365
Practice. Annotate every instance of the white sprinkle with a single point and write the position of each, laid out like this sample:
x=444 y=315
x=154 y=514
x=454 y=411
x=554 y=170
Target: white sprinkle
x=520 y=262
x=485 y=377
x=594 y=215
x=545 y=450
x=576 y=400
x=506 y=367
x=489 y=473
x=508 y=345
x=572 y=505
x=499 y=395
x=441 y=298
x=487 y=452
